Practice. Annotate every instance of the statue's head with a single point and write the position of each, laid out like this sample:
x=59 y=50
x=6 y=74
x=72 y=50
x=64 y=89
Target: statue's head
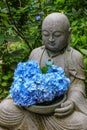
x=56 y=32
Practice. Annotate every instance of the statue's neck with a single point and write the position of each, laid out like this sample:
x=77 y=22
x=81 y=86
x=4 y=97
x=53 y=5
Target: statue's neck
x=52 y=54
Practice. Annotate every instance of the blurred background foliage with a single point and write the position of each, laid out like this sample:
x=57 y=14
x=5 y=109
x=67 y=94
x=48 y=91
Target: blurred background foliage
x=20 y=31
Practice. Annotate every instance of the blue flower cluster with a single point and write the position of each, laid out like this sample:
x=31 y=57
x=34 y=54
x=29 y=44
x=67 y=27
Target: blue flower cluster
x=38 y=17
x=31 y=86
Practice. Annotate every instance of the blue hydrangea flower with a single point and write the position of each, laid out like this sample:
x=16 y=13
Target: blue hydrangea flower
x=38 y=17
x=41 y=13
x=30 y=86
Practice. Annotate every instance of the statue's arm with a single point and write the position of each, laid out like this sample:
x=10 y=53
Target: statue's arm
x=75 y=100
x=76 y=93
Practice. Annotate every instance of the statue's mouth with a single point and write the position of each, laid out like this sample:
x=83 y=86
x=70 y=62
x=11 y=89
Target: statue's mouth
x=51 y=43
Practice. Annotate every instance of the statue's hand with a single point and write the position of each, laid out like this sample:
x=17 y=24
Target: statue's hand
x=66 y=108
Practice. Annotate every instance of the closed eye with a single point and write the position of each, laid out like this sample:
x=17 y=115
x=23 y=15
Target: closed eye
x=57 y=34
x=45 y=33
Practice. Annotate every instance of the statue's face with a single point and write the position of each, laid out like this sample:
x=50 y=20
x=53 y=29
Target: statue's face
x=55 y=38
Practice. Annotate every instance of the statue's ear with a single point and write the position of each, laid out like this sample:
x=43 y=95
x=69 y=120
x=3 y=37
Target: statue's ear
x=68 y=47
x=69 y=34
x=69 y=30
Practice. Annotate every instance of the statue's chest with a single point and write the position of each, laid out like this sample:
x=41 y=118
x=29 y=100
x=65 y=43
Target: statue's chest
x=57 y=60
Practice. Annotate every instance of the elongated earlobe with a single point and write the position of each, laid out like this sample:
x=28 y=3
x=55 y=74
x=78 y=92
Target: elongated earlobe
x=69 y=30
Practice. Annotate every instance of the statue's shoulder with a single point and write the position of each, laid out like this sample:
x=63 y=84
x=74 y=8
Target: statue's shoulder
x=38 y=49
x=36 y=52
x=76 y=63
x=75 y=55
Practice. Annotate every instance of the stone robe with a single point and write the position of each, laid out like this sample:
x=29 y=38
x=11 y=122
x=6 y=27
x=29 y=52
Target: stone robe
x=14 y=117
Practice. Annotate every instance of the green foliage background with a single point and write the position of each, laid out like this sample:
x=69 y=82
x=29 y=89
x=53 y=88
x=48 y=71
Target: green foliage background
x=20 y=31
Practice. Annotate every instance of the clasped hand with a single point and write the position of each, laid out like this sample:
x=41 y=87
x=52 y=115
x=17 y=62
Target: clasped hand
x=66 y=108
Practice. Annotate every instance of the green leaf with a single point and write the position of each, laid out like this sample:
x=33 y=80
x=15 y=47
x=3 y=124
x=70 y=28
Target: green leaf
x=84 y=51
x=85 y=65
x=44 y=69
x=83 y=39
x=59 y=1
x=2 y=38
x=4 y=84
x=5 y=77
x=12 y=39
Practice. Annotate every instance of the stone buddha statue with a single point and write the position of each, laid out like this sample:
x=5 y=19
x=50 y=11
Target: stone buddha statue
x=72 y=114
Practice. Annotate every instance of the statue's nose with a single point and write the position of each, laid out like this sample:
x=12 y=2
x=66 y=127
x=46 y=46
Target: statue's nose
x=51 y=39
